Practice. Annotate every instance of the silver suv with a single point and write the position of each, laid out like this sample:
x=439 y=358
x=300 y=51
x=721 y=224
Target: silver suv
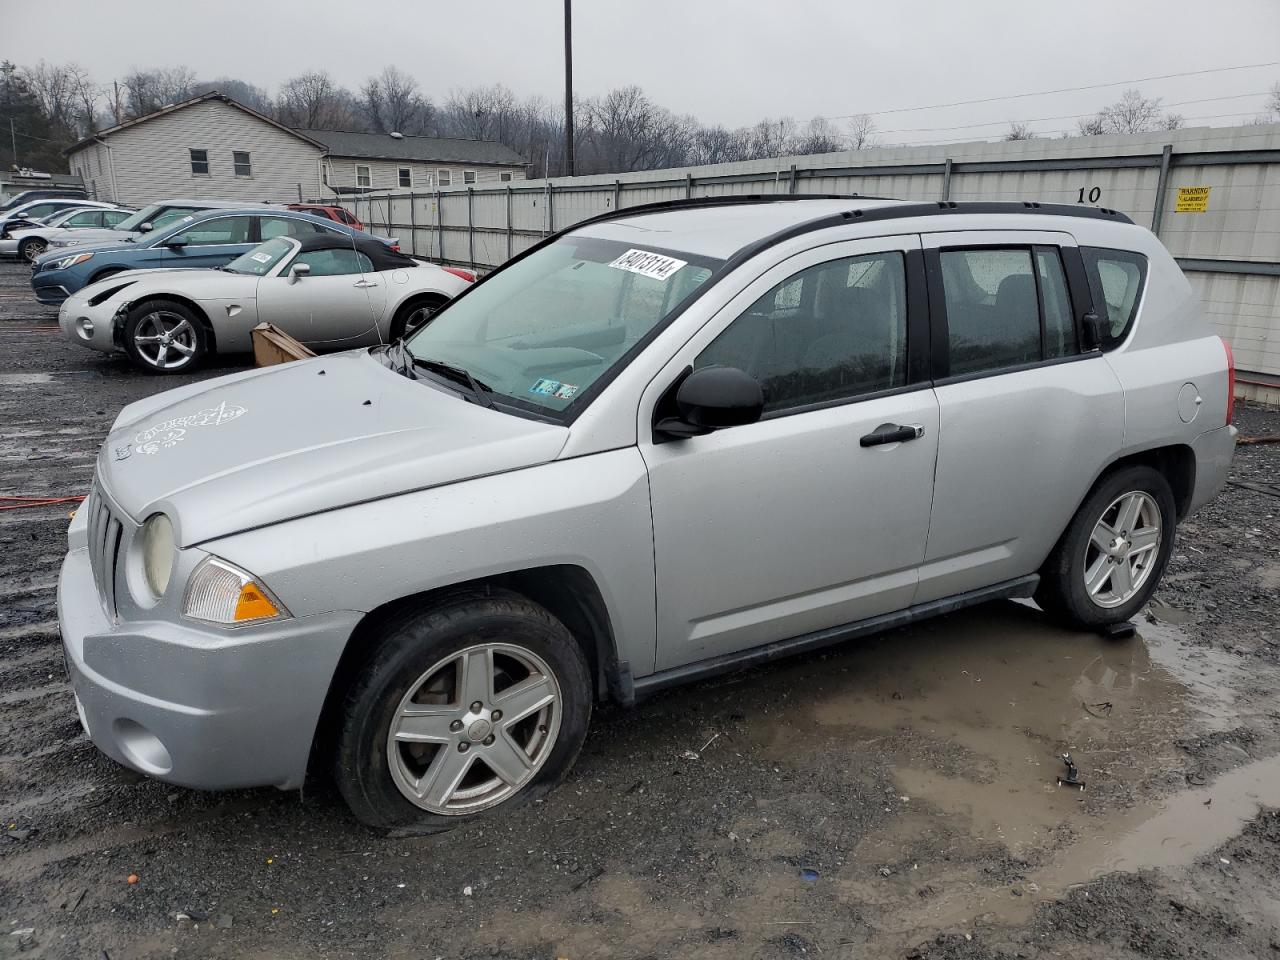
x=664 y=444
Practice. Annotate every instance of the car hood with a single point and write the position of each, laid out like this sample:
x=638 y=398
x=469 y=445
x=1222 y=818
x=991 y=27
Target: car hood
x=198 y=282
x=273 y=444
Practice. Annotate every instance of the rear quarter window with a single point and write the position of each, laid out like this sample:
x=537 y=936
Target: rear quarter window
x=1117 y=279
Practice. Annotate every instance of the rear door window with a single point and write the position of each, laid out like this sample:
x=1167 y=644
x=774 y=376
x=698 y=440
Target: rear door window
x=1116 y=280
x=1005 y=307
x=218 y=231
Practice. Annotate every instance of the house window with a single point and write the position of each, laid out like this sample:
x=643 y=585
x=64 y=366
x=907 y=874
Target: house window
x=444 y=177
x=363 y=178
x=406 y=177
x=468 y=176
x=240 y=159
x=505 y=176
x=199 y=163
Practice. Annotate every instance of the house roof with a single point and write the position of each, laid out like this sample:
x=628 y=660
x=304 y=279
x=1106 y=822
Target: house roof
x=383 y=146
x=173 y=107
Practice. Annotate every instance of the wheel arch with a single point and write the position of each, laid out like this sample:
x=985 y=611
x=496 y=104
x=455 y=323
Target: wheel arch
x=567 y=591
x=411 y=301
x=1176 y=462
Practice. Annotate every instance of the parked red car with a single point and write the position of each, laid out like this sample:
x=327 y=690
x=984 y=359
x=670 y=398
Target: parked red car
x=337 y=214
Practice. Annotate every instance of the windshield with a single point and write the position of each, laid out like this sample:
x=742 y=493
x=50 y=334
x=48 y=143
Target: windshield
x=58 y=219
x=261 y=258
x=141 y=217
x=543 y=330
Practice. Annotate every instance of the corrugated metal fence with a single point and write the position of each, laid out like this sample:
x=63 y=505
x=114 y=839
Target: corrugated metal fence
x=1212 y=195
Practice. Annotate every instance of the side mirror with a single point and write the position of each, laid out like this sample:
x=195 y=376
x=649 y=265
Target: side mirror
x=146 y=226
x=298 y=271
x=177 y=241
x=711 y=399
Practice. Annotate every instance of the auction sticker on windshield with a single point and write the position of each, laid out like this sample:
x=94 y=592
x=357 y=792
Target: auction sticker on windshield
x=647 y=264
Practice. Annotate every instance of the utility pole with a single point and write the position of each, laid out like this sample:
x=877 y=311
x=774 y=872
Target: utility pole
x=13 y=137
x=568 y=87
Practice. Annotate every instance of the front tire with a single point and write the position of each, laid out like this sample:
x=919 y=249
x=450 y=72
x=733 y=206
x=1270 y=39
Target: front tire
x=1110 y=560
x=479 y=704
x=164 y=336
x=31 y=248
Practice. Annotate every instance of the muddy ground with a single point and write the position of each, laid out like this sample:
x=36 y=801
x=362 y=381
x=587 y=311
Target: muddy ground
x=894 y=797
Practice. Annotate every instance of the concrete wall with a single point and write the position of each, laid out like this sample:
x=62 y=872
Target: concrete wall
x=1230 y=252
x=151 y=161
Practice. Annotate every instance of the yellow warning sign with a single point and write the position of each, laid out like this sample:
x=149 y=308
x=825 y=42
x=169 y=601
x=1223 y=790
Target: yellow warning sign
x=1192 y=200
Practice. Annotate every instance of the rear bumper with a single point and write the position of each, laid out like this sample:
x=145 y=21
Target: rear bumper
x=1213 y=451
x=199 y=707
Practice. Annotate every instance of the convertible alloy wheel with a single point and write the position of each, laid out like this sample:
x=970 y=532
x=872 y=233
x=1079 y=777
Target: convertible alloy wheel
x=165 y=340
x=1122 y=549
x=32 y=248
x=474 y=729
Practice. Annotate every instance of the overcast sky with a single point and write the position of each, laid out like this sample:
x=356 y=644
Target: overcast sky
x=725 y=62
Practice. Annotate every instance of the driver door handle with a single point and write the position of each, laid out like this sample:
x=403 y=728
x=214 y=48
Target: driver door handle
x=365 y=283
x=892 y=433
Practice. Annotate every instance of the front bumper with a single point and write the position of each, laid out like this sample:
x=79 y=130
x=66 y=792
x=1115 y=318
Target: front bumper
x=1213 y=450
x=50 y=287
x=8 y=247
x=98 y=333
x=200 y=707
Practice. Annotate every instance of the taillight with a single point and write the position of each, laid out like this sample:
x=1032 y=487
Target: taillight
x=463 y=274
x=395 y=247
x=1231 y=379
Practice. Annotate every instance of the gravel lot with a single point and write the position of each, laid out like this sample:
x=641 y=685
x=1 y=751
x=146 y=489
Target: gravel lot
x=891 y=798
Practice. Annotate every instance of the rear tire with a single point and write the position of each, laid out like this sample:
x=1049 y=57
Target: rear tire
x=423 y=744
x=415 y=315
x=164 y=336
x=1110 y=560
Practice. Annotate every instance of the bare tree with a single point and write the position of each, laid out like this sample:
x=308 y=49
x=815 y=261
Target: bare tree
x=253 y=97
x=394 y=104
x=1093 y=126
x=861 y=132
x=313 y=101
x=720 y=145
x=55 y=91
x=1172 y=121
x=1019 y=131
x=771 y=138
x=818 y=136
x=482 y=113
x=149 y=90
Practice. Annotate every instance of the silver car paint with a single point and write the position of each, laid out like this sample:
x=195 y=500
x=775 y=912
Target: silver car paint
x=312 y=436
x=326 y=312
x=377 y=531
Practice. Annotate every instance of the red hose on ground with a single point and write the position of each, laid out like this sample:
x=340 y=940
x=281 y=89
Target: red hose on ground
x=26 y=503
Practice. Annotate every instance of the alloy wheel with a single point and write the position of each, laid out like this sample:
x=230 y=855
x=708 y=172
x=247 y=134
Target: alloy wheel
x=165 y=340
x=1123 y=549
x=33 y=248
x=474 y=729
x=418 y=318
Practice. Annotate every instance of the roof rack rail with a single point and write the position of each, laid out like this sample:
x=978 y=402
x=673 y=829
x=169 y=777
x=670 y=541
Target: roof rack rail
x=899 y=210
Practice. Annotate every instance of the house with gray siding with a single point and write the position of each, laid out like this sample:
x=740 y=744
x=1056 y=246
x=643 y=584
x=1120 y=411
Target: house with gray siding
x=360 y=162
x=212 y=147
x=208 y=147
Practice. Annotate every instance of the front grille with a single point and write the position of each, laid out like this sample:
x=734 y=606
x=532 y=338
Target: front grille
x=106 y=536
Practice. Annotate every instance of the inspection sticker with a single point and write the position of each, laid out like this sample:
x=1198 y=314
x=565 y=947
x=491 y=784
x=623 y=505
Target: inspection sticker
x=1192 y=200
x=261 y=257
x=648 y=264
x=553 y=388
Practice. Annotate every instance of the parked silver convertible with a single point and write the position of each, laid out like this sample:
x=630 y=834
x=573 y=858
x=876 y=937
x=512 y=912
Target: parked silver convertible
x=329 y=290
x=664 y=444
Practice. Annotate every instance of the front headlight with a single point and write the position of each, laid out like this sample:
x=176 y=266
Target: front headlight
x=157 y=553
x=70 y=261
x=220 y=592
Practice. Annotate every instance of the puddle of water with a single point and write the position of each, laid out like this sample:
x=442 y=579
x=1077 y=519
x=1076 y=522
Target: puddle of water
x=978 y=708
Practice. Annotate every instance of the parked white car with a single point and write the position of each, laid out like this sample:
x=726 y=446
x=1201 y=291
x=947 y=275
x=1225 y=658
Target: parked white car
x=27 y=243
x=331 y=291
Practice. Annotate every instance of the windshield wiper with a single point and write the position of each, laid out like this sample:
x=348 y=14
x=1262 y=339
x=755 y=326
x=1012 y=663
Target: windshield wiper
x=479 y=389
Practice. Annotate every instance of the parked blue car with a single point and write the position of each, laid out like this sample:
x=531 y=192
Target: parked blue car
x=210 y=238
